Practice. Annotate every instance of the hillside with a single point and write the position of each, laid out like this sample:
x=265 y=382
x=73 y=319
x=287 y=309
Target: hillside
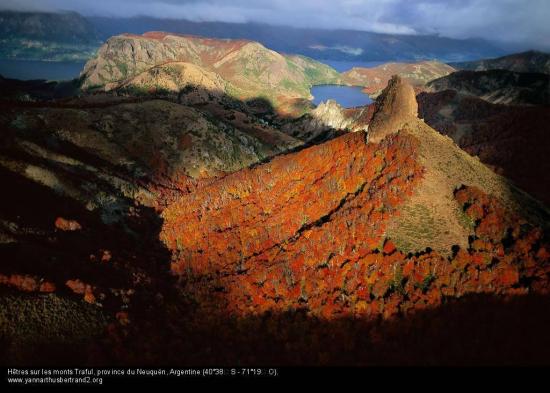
x=511 y=139
x=352 y=229
x=375 y=79
x=497 y=86
x=110 y=153
x=367 y=239
x=248 y=69
x=530 y=61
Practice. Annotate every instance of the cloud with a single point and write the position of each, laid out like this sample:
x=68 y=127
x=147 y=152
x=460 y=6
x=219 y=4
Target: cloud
x=520 y=21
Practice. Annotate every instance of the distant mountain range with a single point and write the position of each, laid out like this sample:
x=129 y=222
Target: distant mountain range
x=47 y=36
x=315 y=43
x=71 y=30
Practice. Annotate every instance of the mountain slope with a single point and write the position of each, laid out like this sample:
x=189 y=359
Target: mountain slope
x=511 y=139
x=367 y=243
x=317 y=230
x=250 y=69
x=375 y=79
x=121 y=150
x=173 y=77
x=497 y=86
x=530 y=61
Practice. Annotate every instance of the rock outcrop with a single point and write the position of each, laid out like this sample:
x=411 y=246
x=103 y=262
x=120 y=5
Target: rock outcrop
x=327 y=120
x=394 y=108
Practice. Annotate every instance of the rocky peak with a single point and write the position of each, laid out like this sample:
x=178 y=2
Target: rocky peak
x=395 y=107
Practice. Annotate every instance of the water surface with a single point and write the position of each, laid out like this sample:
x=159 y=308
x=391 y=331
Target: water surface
x=36 y=69
x=346 y=96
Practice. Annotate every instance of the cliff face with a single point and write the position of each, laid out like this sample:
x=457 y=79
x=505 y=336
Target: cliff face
x=248 y=69
x=393 y=109
x=375 y=79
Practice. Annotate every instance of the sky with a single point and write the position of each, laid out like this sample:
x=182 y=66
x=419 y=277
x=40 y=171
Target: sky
x=520 y=22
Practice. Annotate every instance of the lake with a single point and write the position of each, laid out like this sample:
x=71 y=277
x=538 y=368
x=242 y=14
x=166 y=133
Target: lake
x=36 y=69
x=346 y=96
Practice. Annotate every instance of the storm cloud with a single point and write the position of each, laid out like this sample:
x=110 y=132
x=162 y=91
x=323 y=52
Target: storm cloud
x=512 y=21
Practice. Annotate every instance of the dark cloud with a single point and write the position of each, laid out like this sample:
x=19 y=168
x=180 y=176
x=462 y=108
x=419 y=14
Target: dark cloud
x=514 y=21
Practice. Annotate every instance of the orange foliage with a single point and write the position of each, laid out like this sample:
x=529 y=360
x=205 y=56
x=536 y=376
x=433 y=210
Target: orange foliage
x=67 y=225
x=306 y=231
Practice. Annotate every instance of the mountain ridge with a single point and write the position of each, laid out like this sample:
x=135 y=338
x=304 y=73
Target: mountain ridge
x=251 y=70
x=528 y=61
x=497 y=86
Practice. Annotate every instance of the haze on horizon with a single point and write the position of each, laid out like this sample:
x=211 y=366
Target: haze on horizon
x=522 y=23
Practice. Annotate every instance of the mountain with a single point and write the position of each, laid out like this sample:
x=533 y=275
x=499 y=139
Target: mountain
x=530 y=61
x=353 y=229
x=66 y=36
x=497 y=86
x=243 y=69
x=375 y=79
x=221 y=239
